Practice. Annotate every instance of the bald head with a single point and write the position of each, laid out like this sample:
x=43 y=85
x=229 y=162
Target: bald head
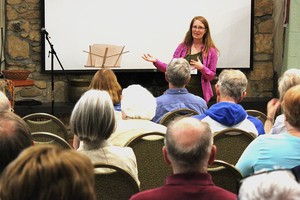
x=189 y=142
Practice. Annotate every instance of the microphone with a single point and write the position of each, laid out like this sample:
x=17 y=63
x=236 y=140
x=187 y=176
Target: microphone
x=43 y=30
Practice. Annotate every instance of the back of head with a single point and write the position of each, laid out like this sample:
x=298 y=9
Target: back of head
x=290 y=78
x=275 y=185
x=232 y=83
x=93 y=118
x=105 y=79
x=188 y=142
x=178 y=72
x=138 y=103
x=15 y=136
x=291 y=106
x=4 y=102
x=46 y=172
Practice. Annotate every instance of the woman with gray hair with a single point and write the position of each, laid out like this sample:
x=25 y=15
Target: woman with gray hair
x=93 y=121
x=290 y=78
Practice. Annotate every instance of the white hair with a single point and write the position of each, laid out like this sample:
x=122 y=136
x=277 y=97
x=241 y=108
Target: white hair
x=275 y=185
x=138 y=103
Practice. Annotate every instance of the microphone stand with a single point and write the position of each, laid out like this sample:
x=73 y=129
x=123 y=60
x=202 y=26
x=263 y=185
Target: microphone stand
x=53 y=53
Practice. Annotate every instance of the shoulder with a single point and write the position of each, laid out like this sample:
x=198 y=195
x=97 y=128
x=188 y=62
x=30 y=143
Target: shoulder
x=151 y=194
x=220 y=193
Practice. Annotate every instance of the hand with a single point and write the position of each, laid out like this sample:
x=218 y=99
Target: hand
x=149 y=58
x=272 y=107
x=196 y=64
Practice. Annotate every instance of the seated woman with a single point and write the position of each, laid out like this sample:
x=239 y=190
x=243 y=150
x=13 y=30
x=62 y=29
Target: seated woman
x=290 y=78
x=269 y=152
x=93 y=121
x=138 y=107
x=105 y=79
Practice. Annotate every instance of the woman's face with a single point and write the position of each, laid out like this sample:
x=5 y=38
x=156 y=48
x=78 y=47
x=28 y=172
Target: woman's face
x=198 y=29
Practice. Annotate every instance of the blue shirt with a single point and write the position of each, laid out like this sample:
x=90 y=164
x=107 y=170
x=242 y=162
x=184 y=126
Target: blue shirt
x=177 y=98
x=268 y=152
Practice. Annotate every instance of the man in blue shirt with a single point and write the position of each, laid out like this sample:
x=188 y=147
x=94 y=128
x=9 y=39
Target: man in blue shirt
x=178 y=75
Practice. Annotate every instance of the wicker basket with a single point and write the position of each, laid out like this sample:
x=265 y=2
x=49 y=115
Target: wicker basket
x=16 y=74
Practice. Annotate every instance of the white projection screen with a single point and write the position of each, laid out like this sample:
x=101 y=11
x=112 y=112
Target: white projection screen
x=155 y=27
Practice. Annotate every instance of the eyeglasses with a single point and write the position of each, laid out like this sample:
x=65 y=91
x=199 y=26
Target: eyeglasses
x=198 y=27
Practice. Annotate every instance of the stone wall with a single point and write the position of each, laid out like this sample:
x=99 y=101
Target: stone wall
x=23 y=50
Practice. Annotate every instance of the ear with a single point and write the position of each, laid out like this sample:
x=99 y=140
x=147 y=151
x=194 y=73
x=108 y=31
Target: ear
x=217 y=89
x=165 y=154
x=242 y=97
x=212 y=155
x=166 y=77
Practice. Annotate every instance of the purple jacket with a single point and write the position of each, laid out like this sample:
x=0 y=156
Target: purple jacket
x=208 y=72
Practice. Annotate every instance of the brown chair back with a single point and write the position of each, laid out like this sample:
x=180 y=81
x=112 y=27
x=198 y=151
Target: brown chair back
x=152 y=168
x=116 y=184
x=182 y=112
x=225 y=175
x=231 y=143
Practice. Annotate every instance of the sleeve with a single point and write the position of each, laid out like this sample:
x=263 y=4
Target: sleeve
x=248 y=158
x=210 y=65
x=161 y=66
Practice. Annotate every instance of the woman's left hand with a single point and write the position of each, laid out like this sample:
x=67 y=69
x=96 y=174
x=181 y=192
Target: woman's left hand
x=196 y=64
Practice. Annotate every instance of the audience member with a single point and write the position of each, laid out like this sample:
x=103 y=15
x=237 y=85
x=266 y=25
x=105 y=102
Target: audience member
x=270 y=152
x=189 y=150
x=227 y=113
x=178 y=75
x=4 y=102
x=273 y=185
x=45 y=172
x=138 y=108
x=15 y=136
x=105 y=79
x=290 y=78
x=93 y=121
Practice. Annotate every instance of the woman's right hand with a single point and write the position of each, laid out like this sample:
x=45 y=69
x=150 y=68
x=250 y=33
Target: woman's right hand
x=149 y=58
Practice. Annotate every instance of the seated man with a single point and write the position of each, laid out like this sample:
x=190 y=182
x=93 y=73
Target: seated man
x=178 y=75
x=227 y=113
x=189 y=150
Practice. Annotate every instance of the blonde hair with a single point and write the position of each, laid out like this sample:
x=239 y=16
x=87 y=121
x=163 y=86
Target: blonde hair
x=291 y=106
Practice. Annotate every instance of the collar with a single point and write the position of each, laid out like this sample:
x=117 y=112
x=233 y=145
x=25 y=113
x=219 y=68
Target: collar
x=190 y=179
x=176 y=91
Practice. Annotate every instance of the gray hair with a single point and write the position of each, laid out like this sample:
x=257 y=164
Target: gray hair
x=138 y=103
x=289 y=78
x=179 y=72
x=4 y=102
x=189 y=156
x=93 y=118
x=275 y=185
x=232 y=83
